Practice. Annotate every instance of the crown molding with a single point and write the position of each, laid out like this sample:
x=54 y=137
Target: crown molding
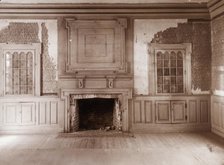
x=193 y=10
x=216 y=8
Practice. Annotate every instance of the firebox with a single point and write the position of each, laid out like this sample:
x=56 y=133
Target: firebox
x=95 y=113
x=92 y=113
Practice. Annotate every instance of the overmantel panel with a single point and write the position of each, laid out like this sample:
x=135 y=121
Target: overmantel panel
x=96 y=45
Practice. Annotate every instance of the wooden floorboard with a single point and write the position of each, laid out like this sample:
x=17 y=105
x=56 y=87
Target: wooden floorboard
x=202 y=148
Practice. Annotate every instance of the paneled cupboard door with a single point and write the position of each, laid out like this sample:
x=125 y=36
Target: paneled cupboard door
x=19 y=113
x=178 y=111
x=163 y=112
x=168 y=112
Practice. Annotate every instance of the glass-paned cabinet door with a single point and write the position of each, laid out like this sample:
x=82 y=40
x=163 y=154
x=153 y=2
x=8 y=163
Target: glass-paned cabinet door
x=21 y=67
x=19 y=72
x=170 y=71
x=169 y=68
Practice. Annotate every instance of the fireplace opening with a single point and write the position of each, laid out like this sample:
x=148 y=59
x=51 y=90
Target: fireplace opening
x=96 y=113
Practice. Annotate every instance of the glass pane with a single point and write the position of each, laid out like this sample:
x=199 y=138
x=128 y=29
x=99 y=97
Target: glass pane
x=180 y=89
x=166 y=63
x=30 y=90
x=179 y=71
x=173 y=89
x=173 y=80
x=29 y=80
x=173 y=63
x=173 y=55
x=29 y=59
x=166 y=55
x=159 y=88
x=159 y=55
x=180 y=63
x=160 y=80
x=173 y=71
x=179 y=55
x=179 y=80
x=16 y=89
x=167 y=80
x=166 y=72
x=159 y=72
x=159 y=63
x=166 y=89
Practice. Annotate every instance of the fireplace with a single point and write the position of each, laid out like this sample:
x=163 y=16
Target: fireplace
x=118 y=98
x=96 y=113
x=93 y=112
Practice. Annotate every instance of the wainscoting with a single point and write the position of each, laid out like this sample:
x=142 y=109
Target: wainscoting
x=217 y=115
x=171 y=114
x=33 y=114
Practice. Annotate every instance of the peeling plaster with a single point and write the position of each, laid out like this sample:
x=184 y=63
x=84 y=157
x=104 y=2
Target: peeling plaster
x=50 y=24
x=198 y=91
x=144 y=30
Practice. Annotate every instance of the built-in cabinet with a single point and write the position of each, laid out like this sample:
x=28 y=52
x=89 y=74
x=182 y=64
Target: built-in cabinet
x=171 y=113
x=19 y=113
x=33 y=114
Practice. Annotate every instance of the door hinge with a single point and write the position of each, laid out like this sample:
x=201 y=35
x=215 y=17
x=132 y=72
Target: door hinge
x=185 y=117
x=185 y=105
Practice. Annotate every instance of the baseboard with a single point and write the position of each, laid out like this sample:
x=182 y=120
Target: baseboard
x=31 y=130
x=166 y=128
x=218 y=132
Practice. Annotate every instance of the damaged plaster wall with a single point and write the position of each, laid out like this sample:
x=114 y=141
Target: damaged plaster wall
x=36 y=31
x=173 y=31
x=218 y=56
x=144 y=31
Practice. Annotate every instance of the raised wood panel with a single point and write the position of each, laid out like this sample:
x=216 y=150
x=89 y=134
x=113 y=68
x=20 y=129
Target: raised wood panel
x=96 y=45
x=163 y=112
x=42 y=113
x=54 y=112
x=178 y=111
x=28 y=114
x=148 y=111
x=1 y=113
x=204 y=114
x=216 y=114
x=192 y=115
x=222 y=115
x=137 y=111
x=12 y=114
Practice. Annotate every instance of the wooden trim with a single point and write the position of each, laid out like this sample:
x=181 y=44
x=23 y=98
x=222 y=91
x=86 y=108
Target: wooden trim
x=193 y=10
x=216 y=8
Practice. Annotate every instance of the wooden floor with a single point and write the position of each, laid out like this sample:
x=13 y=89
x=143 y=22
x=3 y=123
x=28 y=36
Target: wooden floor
x=142 y=149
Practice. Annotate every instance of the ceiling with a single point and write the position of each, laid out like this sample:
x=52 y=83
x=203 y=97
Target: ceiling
x=103 y=1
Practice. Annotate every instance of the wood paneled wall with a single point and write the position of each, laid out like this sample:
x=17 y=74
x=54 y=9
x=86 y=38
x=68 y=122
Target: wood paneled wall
x=171 y=113
x=217 y=114
x=35 y=114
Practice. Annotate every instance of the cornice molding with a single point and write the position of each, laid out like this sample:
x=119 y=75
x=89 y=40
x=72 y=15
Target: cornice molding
x=216 y=8
x=194 y=10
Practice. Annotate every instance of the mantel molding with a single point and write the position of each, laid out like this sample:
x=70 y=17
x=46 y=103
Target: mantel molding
x=194 y=10
x=216 y=8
